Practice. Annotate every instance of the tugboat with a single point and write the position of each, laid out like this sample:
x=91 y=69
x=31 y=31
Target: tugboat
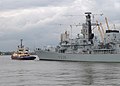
x=22 y=53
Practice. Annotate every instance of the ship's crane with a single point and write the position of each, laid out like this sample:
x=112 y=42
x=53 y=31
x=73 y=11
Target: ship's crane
x=102 y=37
x=107 y=23
x=93 y=15
x=114 y=26
x=102 y=29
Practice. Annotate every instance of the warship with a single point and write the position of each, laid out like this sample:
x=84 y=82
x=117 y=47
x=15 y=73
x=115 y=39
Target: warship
x=85 y=47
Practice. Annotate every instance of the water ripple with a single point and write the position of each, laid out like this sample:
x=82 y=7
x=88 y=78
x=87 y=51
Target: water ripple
x=56 y=73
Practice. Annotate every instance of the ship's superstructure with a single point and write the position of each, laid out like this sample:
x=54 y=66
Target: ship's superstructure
x=85 y=47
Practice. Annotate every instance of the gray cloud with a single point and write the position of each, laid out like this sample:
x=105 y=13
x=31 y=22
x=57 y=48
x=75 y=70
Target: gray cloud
x=38 y=21
x=109 y=8
x=21 y=4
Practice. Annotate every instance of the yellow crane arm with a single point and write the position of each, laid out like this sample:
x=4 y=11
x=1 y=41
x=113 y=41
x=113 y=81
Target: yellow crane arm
x=102 y=29
x=107 y=23
x=100 y=32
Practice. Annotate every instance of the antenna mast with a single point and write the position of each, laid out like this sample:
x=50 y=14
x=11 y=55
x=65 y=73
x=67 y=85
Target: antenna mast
x=21 y=43
x=88 y=22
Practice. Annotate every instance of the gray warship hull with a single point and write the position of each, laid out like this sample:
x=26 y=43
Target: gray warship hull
x=48 y=55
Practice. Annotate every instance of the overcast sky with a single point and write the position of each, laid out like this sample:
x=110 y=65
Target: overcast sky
x=37 y=22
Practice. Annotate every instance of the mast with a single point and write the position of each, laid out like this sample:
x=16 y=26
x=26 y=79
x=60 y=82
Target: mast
x=21 y=43
x=88 y=23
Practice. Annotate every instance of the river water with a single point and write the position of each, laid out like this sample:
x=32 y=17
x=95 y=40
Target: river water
x=57 y=73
